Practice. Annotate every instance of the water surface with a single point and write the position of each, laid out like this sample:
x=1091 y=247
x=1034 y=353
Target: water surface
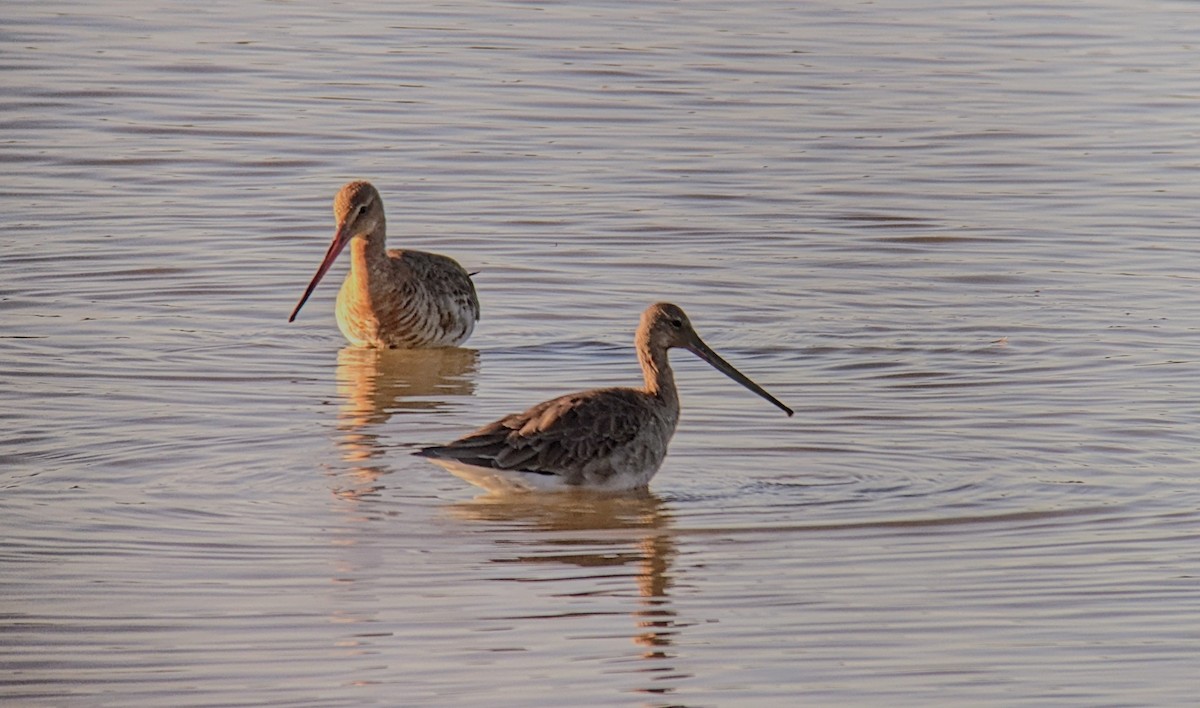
x=960 y=242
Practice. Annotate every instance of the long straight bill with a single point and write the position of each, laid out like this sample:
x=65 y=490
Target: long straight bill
x=340 y=240
x=700 y=349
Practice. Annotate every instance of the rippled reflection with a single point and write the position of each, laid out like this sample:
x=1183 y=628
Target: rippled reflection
x=375 y=384
x=555 y=523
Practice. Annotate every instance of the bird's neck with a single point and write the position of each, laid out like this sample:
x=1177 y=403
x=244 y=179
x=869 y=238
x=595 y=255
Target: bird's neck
x=367 y=253
x=656 y=370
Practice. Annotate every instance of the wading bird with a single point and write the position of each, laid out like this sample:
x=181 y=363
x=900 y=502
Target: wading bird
x=610 y=439
x=398 y=299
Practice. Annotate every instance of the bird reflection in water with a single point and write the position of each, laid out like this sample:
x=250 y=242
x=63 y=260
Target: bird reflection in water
x=374 y=385
x=598 y=533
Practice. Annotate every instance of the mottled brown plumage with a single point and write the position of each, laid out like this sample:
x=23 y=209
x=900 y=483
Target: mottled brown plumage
x=399 y=299
x=607 y=438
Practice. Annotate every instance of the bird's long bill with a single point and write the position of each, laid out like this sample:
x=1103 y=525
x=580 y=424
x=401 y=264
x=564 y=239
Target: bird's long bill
x=340 y=239
x=700 y=349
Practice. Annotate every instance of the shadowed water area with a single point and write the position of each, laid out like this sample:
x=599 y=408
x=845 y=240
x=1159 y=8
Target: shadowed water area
x=959 y=241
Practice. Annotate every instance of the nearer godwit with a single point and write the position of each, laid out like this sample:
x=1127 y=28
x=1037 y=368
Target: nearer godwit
x=397 y=299
x=609 y=439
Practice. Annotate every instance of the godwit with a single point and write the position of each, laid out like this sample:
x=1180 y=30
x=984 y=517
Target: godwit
x=393 y=299
x=611 y=439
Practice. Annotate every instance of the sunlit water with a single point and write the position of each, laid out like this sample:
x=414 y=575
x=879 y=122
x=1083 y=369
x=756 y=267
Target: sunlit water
x=959 y=241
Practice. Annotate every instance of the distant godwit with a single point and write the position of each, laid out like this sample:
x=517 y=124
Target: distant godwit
x=393 y=299
x=610 y=439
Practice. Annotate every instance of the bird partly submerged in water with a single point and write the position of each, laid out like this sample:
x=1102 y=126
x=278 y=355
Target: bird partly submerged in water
x=398 y=299
x=611 y=439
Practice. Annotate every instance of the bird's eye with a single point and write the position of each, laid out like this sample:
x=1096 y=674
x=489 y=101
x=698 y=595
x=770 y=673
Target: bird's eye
x=677 y=323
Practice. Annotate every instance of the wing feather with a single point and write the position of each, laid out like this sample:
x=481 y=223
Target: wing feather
x=562 y=436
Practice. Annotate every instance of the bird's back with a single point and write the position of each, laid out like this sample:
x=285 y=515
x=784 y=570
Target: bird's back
x=418 y=299
x=612 y=438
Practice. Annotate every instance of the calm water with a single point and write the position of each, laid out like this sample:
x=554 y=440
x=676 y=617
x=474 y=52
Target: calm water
x=960 y=241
